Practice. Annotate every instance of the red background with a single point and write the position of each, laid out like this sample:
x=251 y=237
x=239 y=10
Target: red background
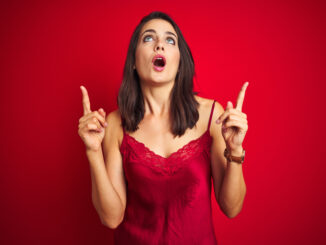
x=50 y=48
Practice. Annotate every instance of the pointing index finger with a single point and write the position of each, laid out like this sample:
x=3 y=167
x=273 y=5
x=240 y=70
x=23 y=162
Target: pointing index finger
x=86 y=103
x=241 y=96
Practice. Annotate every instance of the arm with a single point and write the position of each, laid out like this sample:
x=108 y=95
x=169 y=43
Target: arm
x=108 y=186
x=228 y=180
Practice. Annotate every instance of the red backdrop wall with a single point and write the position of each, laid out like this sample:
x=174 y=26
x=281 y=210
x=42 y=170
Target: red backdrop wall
x=50 y=48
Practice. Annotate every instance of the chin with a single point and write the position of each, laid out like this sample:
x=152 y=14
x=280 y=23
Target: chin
x=162 y=79
x=157 y=80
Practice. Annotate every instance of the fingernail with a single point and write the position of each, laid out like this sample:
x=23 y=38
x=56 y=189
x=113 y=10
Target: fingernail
x=105 y=124
x=218 y=121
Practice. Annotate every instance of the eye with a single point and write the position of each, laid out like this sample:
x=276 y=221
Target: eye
x=170 y=40
x=147 y=38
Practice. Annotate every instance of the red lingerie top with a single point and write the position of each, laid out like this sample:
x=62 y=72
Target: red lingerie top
x=168 y=199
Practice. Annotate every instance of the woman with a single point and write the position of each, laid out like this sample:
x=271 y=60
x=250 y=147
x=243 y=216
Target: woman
x=148 y=184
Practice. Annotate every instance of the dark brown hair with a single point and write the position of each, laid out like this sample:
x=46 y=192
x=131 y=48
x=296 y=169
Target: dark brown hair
x=183 y=108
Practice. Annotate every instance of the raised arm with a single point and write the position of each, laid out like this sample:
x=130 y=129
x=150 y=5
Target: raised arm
x=108 y=185
x=229 y=132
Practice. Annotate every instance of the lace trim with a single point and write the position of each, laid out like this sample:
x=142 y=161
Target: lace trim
x=139 y=152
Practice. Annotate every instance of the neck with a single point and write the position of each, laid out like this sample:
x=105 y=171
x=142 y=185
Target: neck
x=157 y=98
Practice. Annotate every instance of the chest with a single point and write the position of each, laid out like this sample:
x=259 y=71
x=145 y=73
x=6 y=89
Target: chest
x=140 y=160
x=158 y=138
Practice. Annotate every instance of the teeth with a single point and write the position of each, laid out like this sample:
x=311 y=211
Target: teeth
x=159 y=61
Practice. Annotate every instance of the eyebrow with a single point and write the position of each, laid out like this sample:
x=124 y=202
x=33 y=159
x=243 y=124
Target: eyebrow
x=151 y=30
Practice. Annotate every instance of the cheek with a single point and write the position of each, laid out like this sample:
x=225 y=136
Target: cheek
x=137 y=56
x=176 y=58
x=141 y=56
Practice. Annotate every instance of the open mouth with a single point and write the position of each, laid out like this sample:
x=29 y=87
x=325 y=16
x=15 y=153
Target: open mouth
x=159 y=62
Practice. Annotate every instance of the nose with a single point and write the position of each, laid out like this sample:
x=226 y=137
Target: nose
x=159 y=45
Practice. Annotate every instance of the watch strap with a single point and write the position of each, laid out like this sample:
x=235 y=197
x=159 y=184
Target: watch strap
x=231 y=158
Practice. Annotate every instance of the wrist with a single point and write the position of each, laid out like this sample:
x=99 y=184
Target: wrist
x=90 y=151
x=236 y=152
x=234 y=155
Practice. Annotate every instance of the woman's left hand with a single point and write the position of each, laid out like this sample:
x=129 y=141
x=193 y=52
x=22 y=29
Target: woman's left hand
x=234 y=123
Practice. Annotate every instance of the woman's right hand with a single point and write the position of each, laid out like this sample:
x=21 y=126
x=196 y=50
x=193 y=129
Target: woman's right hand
x=91 y=124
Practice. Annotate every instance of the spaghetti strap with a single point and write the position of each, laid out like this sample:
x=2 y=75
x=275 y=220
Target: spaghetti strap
x=210 y=117
x=144 y=168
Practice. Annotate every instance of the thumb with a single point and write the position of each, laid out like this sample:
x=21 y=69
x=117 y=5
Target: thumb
x=102 y=112
x=229 y=105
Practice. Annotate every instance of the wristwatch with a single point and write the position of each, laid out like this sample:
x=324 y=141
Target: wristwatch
x=230 y=158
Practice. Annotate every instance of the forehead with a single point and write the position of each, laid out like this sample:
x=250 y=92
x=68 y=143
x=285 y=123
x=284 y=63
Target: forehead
x=159 y=25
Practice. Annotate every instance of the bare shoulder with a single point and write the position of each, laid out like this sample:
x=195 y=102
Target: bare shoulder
x=114 y=127
x=114 y=117
x=206 y=106
x=205 y=109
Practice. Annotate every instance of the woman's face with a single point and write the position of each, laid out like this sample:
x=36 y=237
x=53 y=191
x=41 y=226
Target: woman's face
x=157 y=37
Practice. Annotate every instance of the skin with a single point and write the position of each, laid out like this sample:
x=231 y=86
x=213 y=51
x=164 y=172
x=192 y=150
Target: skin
x=157 y=37
x=227 y=132
x=156 y=86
